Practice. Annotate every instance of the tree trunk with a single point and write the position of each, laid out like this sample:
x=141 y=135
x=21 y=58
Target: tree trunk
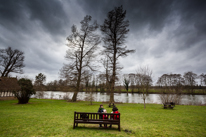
x=113 y=77
x=111 y=97
x=144 y=104
x=23 y=100
x=112 y=92
x=74 y=98
x=91 y=97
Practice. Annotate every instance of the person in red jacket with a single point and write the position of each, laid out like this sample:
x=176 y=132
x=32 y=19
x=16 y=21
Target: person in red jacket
x=114 y=110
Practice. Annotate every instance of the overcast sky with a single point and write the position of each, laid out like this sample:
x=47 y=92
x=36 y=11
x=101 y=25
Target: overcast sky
x=169 y=36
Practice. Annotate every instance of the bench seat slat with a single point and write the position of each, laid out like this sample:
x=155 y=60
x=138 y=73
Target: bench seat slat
x=97 y=119
x=99 y=123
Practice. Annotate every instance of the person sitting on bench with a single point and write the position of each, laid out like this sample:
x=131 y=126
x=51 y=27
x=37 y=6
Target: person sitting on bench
x=100 y=111
x=105 y=117
x=114 y=110
x=172 y=103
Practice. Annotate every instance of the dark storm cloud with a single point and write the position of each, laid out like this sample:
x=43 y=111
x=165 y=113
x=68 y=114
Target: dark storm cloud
x=37 y=28
x=154 y=15
x=192 y=21
x=19 y=14
x=49 y=13
x=140 y=13
x=168 y=35
x=11 y=11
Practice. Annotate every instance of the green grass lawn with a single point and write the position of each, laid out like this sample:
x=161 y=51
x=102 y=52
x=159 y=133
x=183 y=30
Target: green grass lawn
x=43 y=117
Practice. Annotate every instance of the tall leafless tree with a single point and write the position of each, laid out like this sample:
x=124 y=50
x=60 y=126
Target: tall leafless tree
x=115 y=29
x=190 y=81
x=82 y=46
x=11 y=61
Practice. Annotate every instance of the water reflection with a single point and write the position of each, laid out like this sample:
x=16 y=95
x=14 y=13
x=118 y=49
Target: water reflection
x=193 y=99
x=124 y=97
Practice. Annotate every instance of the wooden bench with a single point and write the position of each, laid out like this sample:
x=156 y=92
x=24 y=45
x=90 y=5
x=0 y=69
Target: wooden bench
x=169 y=105
x=93 y=118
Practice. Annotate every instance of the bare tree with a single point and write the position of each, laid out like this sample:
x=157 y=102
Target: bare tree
x=132 y=81
x=50 y=86
x=39 y=86
x=137 y=81
x=126 y=82
x=203 y=82
x=145 y=80
x=171 y=86
x=93 y=83
x=115 y=29
x=40 y=80
x=82 y=45
x=190 y=82
x=11 y=61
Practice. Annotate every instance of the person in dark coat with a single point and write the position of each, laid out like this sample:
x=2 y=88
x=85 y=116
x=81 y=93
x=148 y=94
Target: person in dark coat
x=100 y=110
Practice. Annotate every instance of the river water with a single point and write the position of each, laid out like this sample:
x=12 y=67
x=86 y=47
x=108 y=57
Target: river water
x=123 y=97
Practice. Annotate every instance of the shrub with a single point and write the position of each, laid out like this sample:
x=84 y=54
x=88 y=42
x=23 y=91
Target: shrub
x=25 y=92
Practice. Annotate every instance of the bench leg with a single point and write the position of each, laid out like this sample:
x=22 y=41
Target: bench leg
x=119 y=127
x=75 y=125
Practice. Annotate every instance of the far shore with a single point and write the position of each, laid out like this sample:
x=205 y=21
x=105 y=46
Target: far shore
x=135 y=92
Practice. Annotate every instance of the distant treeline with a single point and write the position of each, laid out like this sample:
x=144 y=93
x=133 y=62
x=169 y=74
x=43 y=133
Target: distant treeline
x=175 y=83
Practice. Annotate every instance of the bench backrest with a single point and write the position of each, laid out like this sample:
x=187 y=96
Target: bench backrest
x=96 y=116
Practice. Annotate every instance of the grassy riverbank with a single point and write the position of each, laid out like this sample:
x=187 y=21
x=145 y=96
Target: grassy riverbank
x=43 y=117
x=158 y=91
